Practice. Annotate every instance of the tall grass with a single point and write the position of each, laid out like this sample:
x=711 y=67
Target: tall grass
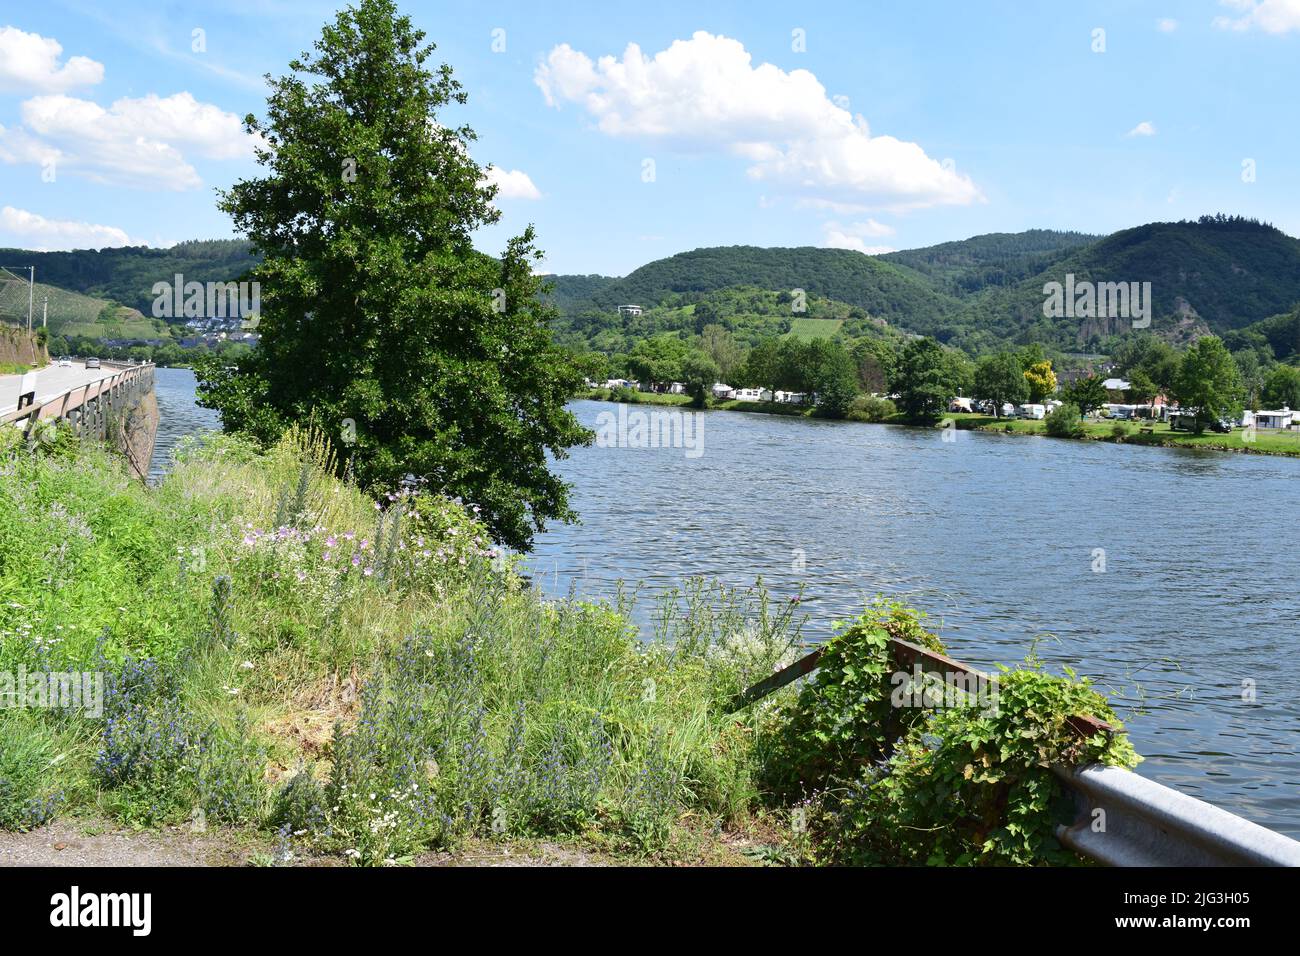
x=363 y=678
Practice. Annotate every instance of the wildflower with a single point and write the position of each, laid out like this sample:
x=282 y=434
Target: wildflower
x=331 y=542
x=368 y=571
x=328 y=555
x=356 y=560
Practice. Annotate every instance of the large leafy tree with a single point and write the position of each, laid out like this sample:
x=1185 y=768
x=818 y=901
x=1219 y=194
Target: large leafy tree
x=1086 y=394
x=924 y=380
x=1000 y=379
x=1282 y=387
x=1041 y=380
x=379 y=316
x=1208 y=380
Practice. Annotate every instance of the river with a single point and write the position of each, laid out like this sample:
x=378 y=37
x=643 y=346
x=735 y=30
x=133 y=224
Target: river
x=1167 y=575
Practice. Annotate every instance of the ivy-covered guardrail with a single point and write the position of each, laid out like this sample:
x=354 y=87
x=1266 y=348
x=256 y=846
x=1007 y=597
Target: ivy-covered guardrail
x=902 y=754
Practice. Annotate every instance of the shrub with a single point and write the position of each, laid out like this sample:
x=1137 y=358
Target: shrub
x=871 y=408
x=1119 y=431
x=969 y=786
x=1065 y=422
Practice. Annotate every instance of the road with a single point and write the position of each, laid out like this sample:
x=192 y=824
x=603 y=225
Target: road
x=50 y=381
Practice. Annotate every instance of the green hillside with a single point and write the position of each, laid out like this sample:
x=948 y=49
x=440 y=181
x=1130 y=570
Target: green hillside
x=883 y=290
x=127 y=275
x=968 y=266
x=1213 y=275
x=71 y=313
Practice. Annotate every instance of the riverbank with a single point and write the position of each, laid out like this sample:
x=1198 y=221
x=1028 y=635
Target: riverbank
x=1284 y=443
x=258 y=654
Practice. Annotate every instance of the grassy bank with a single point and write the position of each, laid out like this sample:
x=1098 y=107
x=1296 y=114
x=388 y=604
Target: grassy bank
x=369 y=682
x=1131 y=433
x=1146 y=433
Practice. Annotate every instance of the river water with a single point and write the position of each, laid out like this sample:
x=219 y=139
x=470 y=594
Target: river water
x=1169 y=576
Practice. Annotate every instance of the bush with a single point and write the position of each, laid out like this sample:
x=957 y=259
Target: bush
x=969 y=786
x=871 y=408
x=1065 y=422
x=1119 y=431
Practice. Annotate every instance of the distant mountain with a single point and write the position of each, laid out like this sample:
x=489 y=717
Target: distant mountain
x=1212 y=275
x=882 y=289
x=1215 y=274
x=127 y=275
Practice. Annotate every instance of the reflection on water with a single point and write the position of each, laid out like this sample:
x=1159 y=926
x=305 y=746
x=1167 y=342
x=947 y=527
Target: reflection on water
x=997 y=537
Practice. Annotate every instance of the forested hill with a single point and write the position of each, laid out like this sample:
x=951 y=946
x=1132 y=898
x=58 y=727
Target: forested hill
x=969 y=266
x=881 y=289
x=127 y=275
x=1212 y=275
x=1215 y=274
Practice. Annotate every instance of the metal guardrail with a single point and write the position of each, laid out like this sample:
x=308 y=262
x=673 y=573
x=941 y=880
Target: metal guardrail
x=88 y=407
x=1122 y=819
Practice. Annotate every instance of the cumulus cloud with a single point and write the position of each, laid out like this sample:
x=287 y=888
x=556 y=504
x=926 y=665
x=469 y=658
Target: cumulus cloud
x=511 y=183
x=135 y=142
x=30 y=230
x=705 y=94
x=1144 y=128
x=29 y=62
x=1271 y=16
x=854 y=235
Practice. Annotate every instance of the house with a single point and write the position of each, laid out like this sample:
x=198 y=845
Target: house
x=1275 y=419
x=753 y=395
x=722 y=391
x=630 y=310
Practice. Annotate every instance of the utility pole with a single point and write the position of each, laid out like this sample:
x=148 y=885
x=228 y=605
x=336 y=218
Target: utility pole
x=45 y=312
x=31 y=289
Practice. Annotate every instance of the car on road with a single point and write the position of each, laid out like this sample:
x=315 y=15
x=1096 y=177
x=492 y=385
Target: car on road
x=65 y=361
x=92 y=363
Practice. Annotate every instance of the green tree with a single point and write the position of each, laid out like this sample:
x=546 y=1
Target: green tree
x=1251 y=373
x=1208 y=381
x=999 y=378
x=699 y=372
x=833 y=376
x=1141 y=389
x=924 y=382
x=877 y=362
x=376 y=308
x=1086 y=394
x=1282 y=387
x=721 y=346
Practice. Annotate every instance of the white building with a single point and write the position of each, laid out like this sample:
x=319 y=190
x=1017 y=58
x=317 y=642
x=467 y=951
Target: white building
x=1284 y=418
x=630 y=310
x=722 y=390
x=1115 y=385
x=792 y=398
x=752 y=395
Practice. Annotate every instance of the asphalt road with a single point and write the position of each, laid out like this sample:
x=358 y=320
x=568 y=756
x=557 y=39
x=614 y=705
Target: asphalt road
x=50 y=381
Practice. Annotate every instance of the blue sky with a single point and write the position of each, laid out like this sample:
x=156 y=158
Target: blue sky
x=866 y=125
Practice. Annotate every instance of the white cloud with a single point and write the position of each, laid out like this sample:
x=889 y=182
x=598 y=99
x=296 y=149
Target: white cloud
x=135 y=142
x=29 y=62
x=1271 y=16
x=705 y=94
x=32 y=231
x=853 y=236
x=1144 y=128
x=1167 y=25
x=511 y=183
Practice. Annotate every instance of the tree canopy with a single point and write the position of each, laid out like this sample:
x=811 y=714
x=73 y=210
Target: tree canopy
x=379 y=318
